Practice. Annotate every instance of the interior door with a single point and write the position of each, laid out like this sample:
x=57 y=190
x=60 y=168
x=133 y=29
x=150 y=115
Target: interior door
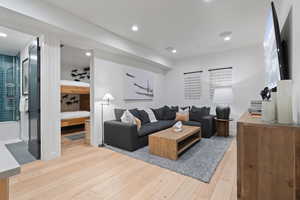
x=34 y=100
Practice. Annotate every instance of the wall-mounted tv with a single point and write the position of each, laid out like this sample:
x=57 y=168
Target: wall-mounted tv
x=276 y=68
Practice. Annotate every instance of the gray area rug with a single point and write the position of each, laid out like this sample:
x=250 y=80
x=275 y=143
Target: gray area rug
x=76 y=136
x=199 y=162
x=20 y=152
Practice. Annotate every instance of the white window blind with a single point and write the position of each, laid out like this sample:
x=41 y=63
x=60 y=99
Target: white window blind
x=192 y=85
x=219 y=77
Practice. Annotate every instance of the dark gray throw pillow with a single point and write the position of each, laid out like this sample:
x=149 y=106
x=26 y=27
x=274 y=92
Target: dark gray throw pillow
x=135 y=112
x=144 y=117
x=159 y=113
x=118 y=113
x=170 y=113
x=196 y=114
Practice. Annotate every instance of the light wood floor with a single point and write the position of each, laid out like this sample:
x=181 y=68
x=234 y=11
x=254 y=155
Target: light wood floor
x=90 y=173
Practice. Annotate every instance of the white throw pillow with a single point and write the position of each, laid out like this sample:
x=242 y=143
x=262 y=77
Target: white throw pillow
x=184 y=111
x=127 y=117
x=151 y=115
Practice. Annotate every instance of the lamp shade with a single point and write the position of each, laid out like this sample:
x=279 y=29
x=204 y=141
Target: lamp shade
x=223 y=95
x=108 y=97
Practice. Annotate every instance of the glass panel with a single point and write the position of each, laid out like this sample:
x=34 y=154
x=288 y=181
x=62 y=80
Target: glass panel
x=9 y=88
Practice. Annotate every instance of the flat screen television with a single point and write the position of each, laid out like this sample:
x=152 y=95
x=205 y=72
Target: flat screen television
x=276 y=68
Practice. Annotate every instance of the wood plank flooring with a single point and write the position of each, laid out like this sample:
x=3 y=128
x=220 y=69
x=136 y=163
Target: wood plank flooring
x=89 y=173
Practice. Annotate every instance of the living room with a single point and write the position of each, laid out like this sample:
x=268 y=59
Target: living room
x=170 y=92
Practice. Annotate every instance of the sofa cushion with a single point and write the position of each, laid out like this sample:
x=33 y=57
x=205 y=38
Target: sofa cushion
x=155 y=127
x=159 y=113
x=196 y=114
x=164 y=124
x=170 y=113
x=119 y=113
x=144 y=117
x=192 y=123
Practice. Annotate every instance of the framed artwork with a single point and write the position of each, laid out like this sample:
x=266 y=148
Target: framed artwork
x=138 y=85
x=25 y=76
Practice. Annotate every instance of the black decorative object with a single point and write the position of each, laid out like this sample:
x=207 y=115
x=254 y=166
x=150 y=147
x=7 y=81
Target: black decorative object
x=265 y=94
x=223 y=112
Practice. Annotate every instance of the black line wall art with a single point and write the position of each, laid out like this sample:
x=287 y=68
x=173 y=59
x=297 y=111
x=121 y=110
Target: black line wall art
x=138 y=85
x=70 y=102
x=80 y=74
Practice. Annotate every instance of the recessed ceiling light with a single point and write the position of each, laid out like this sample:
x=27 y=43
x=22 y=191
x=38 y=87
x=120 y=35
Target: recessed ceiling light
x=88 y=54
x=227 y=36
x=3 y=35
x=171 y=50
x=135 y=28
x=207 y=1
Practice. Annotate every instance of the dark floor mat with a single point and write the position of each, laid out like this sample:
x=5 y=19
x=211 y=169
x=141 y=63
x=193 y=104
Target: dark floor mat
x=20 y=152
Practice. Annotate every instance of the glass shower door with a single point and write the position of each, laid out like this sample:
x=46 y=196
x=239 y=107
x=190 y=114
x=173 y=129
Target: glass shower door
x=34 y=100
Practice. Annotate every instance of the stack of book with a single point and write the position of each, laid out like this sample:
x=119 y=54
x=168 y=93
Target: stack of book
x=255 y=107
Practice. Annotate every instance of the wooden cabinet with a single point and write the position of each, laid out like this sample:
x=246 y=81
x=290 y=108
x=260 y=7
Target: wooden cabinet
x=268 y=160
x=87 y=138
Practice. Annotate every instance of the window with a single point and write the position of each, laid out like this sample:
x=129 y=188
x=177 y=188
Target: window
x=9 y=88
x=192 y=85
x=219 y=77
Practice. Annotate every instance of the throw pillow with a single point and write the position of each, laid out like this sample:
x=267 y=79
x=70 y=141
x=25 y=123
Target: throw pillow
x=159 y=113
x=138 y=123
x=127 y=117
x=184 y=110
x=135 y=112
x=196 y=114
x=182 y=117
x=144 y=117
x=151 y=115
x=119 y=113
x=170 y=113
x=186 y=107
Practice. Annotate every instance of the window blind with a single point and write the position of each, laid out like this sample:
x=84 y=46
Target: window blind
x=219 y=77
x=192 y=85
x=9 y=88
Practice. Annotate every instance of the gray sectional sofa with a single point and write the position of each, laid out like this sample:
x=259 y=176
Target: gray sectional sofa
x=128 y=137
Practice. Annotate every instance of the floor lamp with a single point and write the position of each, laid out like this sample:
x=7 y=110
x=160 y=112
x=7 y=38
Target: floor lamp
x=107 y=98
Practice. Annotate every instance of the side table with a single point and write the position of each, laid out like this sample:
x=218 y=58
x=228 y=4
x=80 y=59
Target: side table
x=222 y=126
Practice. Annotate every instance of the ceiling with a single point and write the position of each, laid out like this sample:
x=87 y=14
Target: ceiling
x=14 y=42
x=191 y=26
x=73 y=57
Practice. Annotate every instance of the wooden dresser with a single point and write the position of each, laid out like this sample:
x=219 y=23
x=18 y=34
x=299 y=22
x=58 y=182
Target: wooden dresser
x=268 y=160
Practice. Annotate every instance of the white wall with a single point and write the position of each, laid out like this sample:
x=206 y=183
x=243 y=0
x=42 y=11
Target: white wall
x=248 y=77
x=107 y=76
x=50 y=98
x=9 y=131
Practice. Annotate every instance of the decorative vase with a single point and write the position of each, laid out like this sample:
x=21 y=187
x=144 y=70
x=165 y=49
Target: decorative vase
x=274 y=100
x=223 y=112
x=268 y=111
x=284 y=102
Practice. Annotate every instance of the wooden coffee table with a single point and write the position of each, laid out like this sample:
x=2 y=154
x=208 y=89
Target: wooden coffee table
x=170 y=144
